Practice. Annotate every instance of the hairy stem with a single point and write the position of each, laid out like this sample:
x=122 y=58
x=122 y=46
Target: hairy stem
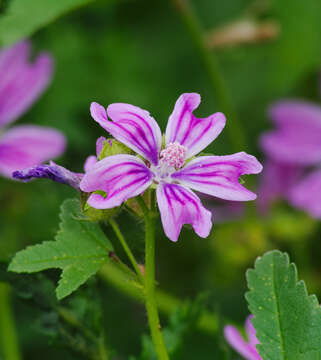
x=150 y=296
x=8 y=336
x=220 y=90
x=126 y=248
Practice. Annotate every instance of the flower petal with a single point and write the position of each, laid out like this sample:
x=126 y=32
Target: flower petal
x=21 y=82
x=120 y=176
x=28 y=145
x=276 y=181
x=306 y=194
x=132 y=126
x=100 y=144
x=250 y=331
x=186 y=129
x=90 y=162
x=218 y=175
x=52 y=171
x=234 y=338
x=178 y=206
x=297 y=138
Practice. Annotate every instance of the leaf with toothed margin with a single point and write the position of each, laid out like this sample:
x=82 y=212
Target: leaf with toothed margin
x=79 y=250
x=287 y=320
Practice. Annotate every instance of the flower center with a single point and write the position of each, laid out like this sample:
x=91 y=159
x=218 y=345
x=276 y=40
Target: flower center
x=171 y=159
x=173 y=155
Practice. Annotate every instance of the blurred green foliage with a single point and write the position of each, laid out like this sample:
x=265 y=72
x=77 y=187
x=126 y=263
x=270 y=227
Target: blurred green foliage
x=139 y=52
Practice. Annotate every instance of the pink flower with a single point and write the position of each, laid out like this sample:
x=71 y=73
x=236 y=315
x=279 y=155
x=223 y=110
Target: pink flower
x=246 y=349
x=58 y=173
x=21 y=83
x=292 y=149
x=172 y=169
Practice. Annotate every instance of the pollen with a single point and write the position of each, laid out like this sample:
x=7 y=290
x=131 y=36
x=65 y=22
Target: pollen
x=174 y=155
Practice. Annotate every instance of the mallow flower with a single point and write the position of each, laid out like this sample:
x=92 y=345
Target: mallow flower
x=168 y=164
x=293 y=150
x=21 y=83
x=237 y=342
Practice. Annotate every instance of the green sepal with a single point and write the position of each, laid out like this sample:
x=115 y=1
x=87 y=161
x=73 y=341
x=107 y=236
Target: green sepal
x=113 y=147
x=93 y=214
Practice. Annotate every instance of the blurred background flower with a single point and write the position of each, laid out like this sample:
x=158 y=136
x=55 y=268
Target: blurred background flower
x=293 y=150
x=21 y=83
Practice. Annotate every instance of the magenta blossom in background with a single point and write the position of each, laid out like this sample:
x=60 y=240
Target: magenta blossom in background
x=294 y=154
x=172 y=169
x=237 y=342
x=21 y=83
x=58 y=173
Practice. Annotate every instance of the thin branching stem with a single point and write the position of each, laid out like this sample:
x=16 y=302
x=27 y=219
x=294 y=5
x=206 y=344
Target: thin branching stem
x=126 y=248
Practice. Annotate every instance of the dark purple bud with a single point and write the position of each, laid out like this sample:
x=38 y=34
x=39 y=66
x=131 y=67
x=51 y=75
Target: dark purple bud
x=52 y=171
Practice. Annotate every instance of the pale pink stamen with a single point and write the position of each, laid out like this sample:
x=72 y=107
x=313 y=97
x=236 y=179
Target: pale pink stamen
x=174 y=155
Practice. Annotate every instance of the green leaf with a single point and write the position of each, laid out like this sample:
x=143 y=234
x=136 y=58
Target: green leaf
x=286 y=319
x=24 y=17
x=80 y=249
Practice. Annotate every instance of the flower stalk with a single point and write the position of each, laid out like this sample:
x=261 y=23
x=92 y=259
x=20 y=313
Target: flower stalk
x=150 y=295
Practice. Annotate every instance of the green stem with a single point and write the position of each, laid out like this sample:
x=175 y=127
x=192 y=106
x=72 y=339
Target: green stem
x=8 y=336
x=150 y=298
x=153 y=200
x=212 y=68
x=127 y=250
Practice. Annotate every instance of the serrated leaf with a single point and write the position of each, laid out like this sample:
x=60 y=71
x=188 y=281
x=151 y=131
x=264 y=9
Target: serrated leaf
x=80 y=249
x=287 y=320
x=24 y=17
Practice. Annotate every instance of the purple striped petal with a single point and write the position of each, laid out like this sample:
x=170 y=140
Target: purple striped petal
x=27 y=145
x=120 y=176
x=297 y=138
x=178 y=206
x=100 y=144
x=306 y=194
x=132 y=126
x=186 y=129
x=276 y=181
x=234 y=338
x=52 y=171
x=21 y=82
x=90 y=162
x=219 y=175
